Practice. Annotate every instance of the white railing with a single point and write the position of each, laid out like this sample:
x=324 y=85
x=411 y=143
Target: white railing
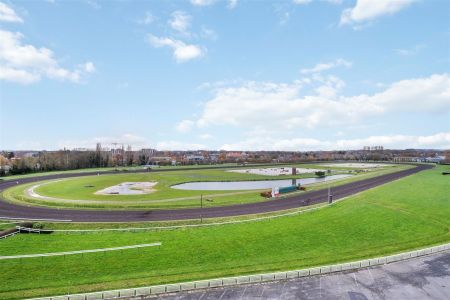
x=8 y=235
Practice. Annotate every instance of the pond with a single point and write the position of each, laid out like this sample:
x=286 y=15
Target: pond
x=251 y=185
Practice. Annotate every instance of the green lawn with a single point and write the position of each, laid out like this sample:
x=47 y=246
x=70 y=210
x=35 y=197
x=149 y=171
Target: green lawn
x=79 y=192
x=408 y=213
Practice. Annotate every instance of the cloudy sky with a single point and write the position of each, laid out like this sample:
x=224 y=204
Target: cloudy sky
x=231 y=74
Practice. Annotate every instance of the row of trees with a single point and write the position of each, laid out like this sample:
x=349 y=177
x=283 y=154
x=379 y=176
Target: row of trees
x=60 y=160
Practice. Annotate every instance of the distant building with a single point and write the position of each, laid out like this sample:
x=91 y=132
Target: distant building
x=373 y=148
x=447 y=156
x=436 y=159
x=194 y=158
x=117 y=151
x=148 y=151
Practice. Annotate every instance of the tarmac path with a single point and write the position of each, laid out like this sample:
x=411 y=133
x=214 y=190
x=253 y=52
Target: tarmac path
x=13 y=211
x=421 y=278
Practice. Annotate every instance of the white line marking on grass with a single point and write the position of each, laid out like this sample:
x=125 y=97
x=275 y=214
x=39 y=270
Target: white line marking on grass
x=79 y=252
x=8 y=235
x=28 y=219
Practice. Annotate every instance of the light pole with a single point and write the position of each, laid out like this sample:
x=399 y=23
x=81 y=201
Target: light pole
x=330 y=197
x=201 y=206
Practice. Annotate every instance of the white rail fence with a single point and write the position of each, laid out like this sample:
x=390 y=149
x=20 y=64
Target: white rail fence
x=8 y=235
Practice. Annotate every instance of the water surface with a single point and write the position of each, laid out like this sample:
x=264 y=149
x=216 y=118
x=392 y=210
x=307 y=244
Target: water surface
x=251 y=185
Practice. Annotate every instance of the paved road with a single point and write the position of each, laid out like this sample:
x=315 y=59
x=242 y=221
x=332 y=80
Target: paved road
x=421 y=278
x=9 y=210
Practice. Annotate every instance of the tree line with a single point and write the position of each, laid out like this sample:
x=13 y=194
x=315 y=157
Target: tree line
x=12 y=164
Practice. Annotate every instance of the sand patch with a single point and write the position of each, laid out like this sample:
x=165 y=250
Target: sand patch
x=129 y=188
x=32 y=193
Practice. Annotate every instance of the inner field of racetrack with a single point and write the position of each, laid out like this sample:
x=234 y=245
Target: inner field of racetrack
x=408 y=213
x=83 y=189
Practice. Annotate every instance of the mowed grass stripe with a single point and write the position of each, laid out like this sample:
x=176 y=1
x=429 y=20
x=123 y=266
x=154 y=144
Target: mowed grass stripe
x=409 y=213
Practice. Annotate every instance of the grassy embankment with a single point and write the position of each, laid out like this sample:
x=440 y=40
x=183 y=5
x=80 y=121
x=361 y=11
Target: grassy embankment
x=408 y=213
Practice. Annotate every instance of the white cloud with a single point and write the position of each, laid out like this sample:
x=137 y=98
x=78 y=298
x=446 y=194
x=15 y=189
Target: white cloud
x=185 y=126
x=14 y=75
x=147 y=19
x=207 y=33
x=303 y=2
x=410 y=51
x=327 y=66
x=202 y=2
x=25 y=63
x=180 y=21
x=437 y=141
x=266 y=105
x=181 y=51
x=367 y=10
x=7 y=14
x=93 y=4
x=213 y=85
x=232 y=4
x=89 y=67
x=176 y=145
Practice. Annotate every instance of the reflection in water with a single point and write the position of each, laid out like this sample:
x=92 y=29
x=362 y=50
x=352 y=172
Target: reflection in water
x=251 y=185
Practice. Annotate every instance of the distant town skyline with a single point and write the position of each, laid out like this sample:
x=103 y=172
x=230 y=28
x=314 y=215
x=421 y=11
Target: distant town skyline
x=232 y=74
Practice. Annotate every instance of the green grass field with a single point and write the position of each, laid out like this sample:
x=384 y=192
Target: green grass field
x=119 y=169
x=134 y=168
x=79 y=192
x=408 y=213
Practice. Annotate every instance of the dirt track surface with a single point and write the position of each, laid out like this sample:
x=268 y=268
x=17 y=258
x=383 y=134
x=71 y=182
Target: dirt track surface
x=13 y=211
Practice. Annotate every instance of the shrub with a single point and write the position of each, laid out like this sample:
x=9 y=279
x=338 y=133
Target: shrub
x=266 y=194
x=320 y=173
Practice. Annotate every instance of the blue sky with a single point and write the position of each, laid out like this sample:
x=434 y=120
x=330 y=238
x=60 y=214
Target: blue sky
x=236 y=75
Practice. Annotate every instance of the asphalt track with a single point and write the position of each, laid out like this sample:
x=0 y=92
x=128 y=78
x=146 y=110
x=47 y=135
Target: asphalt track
x=421 y=278
x=14 y=211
